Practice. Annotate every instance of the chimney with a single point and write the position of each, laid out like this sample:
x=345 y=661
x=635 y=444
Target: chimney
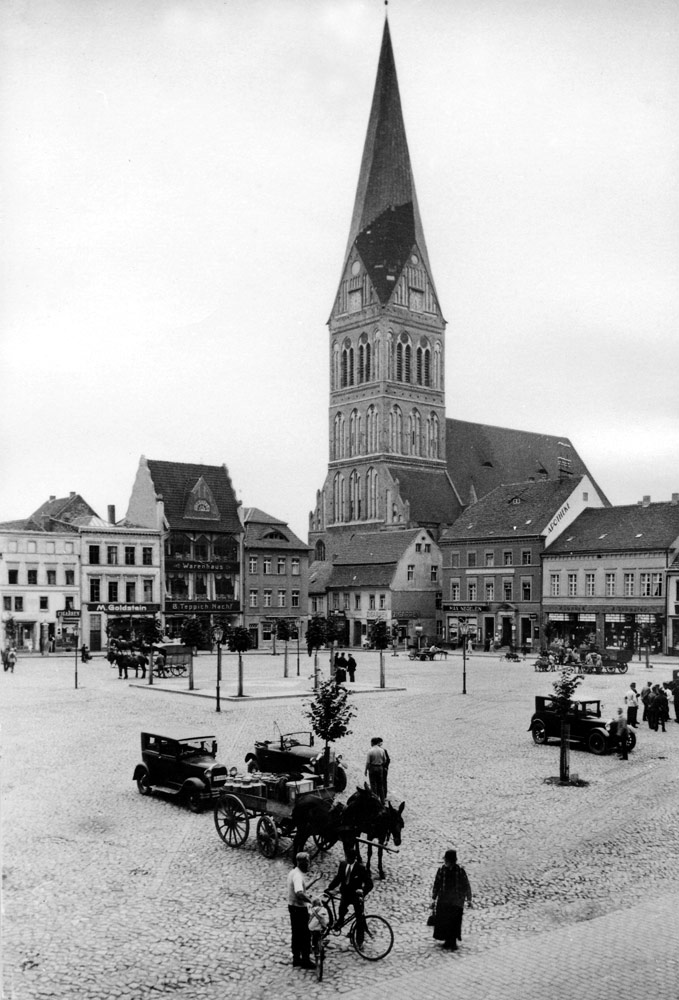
x=111 y=514
x=53 y=497
x=675 y=499
x=72 y=493
x=646 y=501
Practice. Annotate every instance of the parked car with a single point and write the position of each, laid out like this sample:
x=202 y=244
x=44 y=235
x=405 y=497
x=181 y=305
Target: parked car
x=296 y=755
x=184 y=766
x=587 y=726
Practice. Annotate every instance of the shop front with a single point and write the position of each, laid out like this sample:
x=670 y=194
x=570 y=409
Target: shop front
x=611 y=628
x=207 y=613
x=471 y=616
x=105 y=620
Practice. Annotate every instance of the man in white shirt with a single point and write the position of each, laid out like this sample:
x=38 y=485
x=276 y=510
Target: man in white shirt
x=632 y=702
x=299 y=914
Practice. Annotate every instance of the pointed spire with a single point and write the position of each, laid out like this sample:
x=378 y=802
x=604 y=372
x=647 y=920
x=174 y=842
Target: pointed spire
x=386 y=220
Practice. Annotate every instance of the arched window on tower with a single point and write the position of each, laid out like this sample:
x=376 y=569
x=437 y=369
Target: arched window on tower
x=338 y=437
x=433 y=436
x=406 y=363
x=371 y=430
x=399 y=362
x=396 y=431
x=319 y=551
x=423 y=364
x=437 y=365
x=338 y=498
x=364 y=359
x=347 y=364
x=415 y=433
x=335 y=366
x=391 y=360
x=371 y=491
x=355 y=505
x=354 y=432
x=403 y=359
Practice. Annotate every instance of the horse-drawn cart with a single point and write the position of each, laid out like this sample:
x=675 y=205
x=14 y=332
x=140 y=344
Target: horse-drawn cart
x=270 y=799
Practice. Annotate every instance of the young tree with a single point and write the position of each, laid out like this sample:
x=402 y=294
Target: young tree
x=192 y=632
x=316 y=634
x=380 y=639
x=564 y=689
x=330 y=714
x=238 y=641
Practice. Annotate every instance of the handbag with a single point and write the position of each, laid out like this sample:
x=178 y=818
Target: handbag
x=431 y=919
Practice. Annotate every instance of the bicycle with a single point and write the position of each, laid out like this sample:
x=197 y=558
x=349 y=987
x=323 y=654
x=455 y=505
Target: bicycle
x=370 y=934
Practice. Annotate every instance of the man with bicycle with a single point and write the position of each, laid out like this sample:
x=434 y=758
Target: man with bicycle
x=354 y=884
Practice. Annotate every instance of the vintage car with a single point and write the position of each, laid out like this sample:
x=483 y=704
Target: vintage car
x=296 y=755
x=180 y=765
x=587 y=725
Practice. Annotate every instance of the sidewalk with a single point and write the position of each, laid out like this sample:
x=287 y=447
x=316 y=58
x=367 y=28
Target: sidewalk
x=628 y=953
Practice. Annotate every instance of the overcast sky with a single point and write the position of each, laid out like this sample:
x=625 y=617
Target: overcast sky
x=178 y=182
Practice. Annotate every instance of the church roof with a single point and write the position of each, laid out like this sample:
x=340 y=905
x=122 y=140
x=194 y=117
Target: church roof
x=633 y=528
x=430 y=494
x=386 y=222
x=514 y=510
x=481 y=457
x=177 y=481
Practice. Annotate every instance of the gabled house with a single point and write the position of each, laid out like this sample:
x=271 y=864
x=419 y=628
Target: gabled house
x=492 y=570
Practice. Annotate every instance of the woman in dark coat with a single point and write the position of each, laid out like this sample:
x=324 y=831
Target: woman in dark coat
x=450 y=892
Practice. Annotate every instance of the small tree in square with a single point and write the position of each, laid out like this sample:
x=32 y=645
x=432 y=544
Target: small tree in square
x=283 y=633
x=192 y=632
x=316 y=635
x=330 y=713
x=564 y=689
x=380 y=638
x=239 y=641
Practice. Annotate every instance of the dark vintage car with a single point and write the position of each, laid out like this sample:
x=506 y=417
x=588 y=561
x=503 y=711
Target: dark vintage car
x=296 y=755
x=587 y=726
x=184 y=766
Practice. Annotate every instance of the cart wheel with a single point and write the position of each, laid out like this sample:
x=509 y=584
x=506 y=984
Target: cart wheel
x=231 y=820
x=267 y=836
x=323 y=843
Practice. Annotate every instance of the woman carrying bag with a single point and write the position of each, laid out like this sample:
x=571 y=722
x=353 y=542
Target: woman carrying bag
x=450 y=892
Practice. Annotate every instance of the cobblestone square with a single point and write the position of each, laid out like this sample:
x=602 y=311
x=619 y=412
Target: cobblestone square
x=109 y=894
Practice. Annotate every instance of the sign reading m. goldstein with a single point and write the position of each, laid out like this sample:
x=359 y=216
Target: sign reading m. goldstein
x=125 y=609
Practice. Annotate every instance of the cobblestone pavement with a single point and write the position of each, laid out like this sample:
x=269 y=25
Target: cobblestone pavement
x=107 y=894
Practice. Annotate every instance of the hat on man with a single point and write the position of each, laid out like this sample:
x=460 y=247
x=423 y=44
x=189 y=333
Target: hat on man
x=375 y=740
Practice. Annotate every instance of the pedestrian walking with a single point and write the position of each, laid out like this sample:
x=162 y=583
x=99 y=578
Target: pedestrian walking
x=632 y=702
x=351 y=668
x=340 y=668
x=675 y=699
x=5 y=654
x=374 y=767
x=451 y=890
x=644 y=698
x=621 y=730
x=11 y=659
x=298 y=900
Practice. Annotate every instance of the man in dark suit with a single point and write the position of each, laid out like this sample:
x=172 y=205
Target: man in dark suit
x=354 y=883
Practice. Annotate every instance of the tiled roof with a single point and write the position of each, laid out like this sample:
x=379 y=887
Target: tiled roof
x=57 y=514
x=376 y=547
x=176 y=480
x=386 y=224
x=515 y=509
x=481 y=457
x=629 y=528
x=378 y=575
x=258 y=525
x=320 y=573
x=430 y=494
x=258 y=516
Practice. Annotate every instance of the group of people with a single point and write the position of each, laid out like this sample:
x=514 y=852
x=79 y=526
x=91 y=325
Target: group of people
x=309 y=915
x=344 y=665
x=9 y=659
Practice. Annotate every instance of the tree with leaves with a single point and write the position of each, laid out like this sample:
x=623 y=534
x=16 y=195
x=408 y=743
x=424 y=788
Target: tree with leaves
x=330 y=713
x=239 y=642
x=192 y=632
x=380 y=640
x=564 y=689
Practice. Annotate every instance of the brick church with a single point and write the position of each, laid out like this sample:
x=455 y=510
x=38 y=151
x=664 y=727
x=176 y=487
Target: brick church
x=395 y=460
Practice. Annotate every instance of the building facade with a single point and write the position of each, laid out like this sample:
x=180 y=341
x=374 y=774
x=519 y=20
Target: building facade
x=605 y=579
x=276 y=578
x=196 y=510
x=492 y=565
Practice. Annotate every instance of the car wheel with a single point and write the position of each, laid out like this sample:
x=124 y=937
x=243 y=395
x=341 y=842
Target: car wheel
x=194 y=801
x=539 y=732
x=631 y=741
x=597 y=742
x=143 y=784
x=340 y=779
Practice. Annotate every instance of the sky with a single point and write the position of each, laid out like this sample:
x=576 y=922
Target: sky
x=177 y=183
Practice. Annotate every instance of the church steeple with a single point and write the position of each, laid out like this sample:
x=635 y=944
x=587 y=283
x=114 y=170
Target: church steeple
x=386 y=224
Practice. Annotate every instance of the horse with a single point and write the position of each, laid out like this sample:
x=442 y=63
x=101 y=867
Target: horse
x=365 y=814
x=129 y=660
x=313 y=816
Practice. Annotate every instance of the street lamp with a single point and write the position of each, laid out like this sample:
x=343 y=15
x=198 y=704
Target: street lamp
x=218 y=635
x=464 y=628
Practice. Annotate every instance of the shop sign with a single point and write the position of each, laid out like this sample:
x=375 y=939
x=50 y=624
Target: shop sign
x=201 y=607
x=176 y=565
x=73 y=613
x=465 y=608
x=557 y=517
x=124 y=609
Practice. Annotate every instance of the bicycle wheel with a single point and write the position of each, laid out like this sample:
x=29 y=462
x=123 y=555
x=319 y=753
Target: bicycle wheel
x=373 y=938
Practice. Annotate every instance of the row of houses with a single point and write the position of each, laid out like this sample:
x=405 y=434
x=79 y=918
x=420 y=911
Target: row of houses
x=185 y=548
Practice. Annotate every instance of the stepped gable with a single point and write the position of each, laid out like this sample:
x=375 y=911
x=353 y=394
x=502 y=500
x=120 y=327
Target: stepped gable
x=177 y=481
x=386 y=223
x=481 y=457
x=627 y=528
x=430 y=494
x=513 y=509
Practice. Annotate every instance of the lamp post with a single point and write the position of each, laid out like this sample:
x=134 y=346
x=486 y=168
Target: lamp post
x=299 y=625
x=463 y=632
x=218 y=635
x=75 y=635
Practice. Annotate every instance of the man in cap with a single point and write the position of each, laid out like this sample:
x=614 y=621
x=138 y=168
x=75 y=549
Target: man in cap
x=374 y=767
x=298 y=898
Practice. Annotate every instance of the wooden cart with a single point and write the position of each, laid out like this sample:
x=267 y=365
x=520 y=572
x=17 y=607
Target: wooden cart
x=269 y=799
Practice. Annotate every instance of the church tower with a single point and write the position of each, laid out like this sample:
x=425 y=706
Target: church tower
x=387 y=424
